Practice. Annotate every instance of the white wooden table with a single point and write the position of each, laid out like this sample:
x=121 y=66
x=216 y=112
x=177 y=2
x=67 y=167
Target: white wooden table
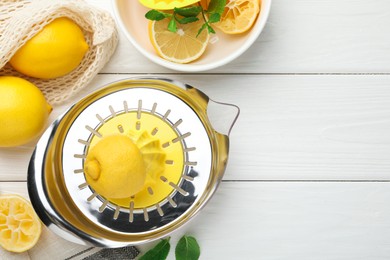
x=309 y=169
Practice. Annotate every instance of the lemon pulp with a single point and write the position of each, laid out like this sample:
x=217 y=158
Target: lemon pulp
x=239 y=16
x=163 y=158
x=20 y=227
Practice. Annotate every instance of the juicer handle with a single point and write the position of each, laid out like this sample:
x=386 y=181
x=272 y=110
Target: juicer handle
x=201 y=98
x=235 y=117
x=204 y=102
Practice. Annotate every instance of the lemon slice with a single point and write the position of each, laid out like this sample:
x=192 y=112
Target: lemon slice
x=182 y=46
x=20 y=226
x=238 y=16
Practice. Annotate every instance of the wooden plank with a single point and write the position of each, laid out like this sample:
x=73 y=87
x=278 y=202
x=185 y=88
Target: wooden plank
x=284 y=220
x=300 y=37
x=295 y=221
x=290 y=127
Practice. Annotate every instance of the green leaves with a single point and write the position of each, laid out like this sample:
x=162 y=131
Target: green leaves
x=156 y=15
x=216 y=7
x=192 y=11
x=215 y=17
x=159 y=252
x=185 y=15
x=187 y=20
x=186 y=249
x=172 y=25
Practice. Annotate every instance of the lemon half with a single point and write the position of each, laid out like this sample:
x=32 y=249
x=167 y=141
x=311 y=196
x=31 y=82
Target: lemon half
x=20 y=227
x=160 y=161
x=114 y=167
x=239 y=16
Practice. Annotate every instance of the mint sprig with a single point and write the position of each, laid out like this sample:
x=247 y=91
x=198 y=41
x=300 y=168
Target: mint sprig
x=185 y=15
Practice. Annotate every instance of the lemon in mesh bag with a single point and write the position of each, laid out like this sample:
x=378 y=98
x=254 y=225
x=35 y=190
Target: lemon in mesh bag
x=22 y=20
x=53 y=52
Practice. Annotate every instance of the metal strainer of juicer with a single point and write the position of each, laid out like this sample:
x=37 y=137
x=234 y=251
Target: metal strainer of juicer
x=166 y=118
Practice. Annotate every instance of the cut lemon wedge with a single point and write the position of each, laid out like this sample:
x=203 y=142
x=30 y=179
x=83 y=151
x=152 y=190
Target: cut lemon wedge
x=182 y=46
x=238 y=16
x=20 y=226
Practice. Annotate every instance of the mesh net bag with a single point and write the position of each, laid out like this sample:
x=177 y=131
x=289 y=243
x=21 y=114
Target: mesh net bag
x=20 y=20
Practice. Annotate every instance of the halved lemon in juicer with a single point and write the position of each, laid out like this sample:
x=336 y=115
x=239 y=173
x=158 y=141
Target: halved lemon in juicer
x=127 y=163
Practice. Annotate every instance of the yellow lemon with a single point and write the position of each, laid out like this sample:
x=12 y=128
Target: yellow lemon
x=20 y=226
x=53 y=52
x=184 y=46
x=114 y=167
x=166 y=4
x=239 y=16
x=152 y=154
x=23 y=111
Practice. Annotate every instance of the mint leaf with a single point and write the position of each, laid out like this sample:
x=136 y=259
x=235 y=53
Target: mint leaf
x=210 y=29
x=155 y=15
x=187 y=20
x=159 y=252
x=214 y=17
x=201 y=29
x=217 y=6
x=192 y=11
x=187 y=249
x=172 y=25
x=185 y=15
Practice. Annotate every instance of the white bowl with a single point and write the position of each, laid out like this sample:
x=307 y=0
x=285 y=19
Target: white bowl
x=130 y=16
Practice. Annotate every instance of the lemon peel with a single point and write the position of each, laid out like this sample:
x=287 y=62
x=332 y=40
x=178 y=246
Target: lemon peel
x=23 y=111
x=94 y=169
x=53 y=52
x=114 y=167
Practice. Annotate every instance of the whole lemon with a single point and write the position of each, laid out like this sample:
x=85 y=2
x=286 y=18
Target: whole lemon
x=114 y=167
x=53 y=52
x=23 y=111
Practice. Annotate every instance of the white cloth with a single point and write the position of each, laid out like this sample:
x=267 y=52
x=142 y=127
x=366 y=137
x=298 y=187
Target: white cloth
x=52 y=247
